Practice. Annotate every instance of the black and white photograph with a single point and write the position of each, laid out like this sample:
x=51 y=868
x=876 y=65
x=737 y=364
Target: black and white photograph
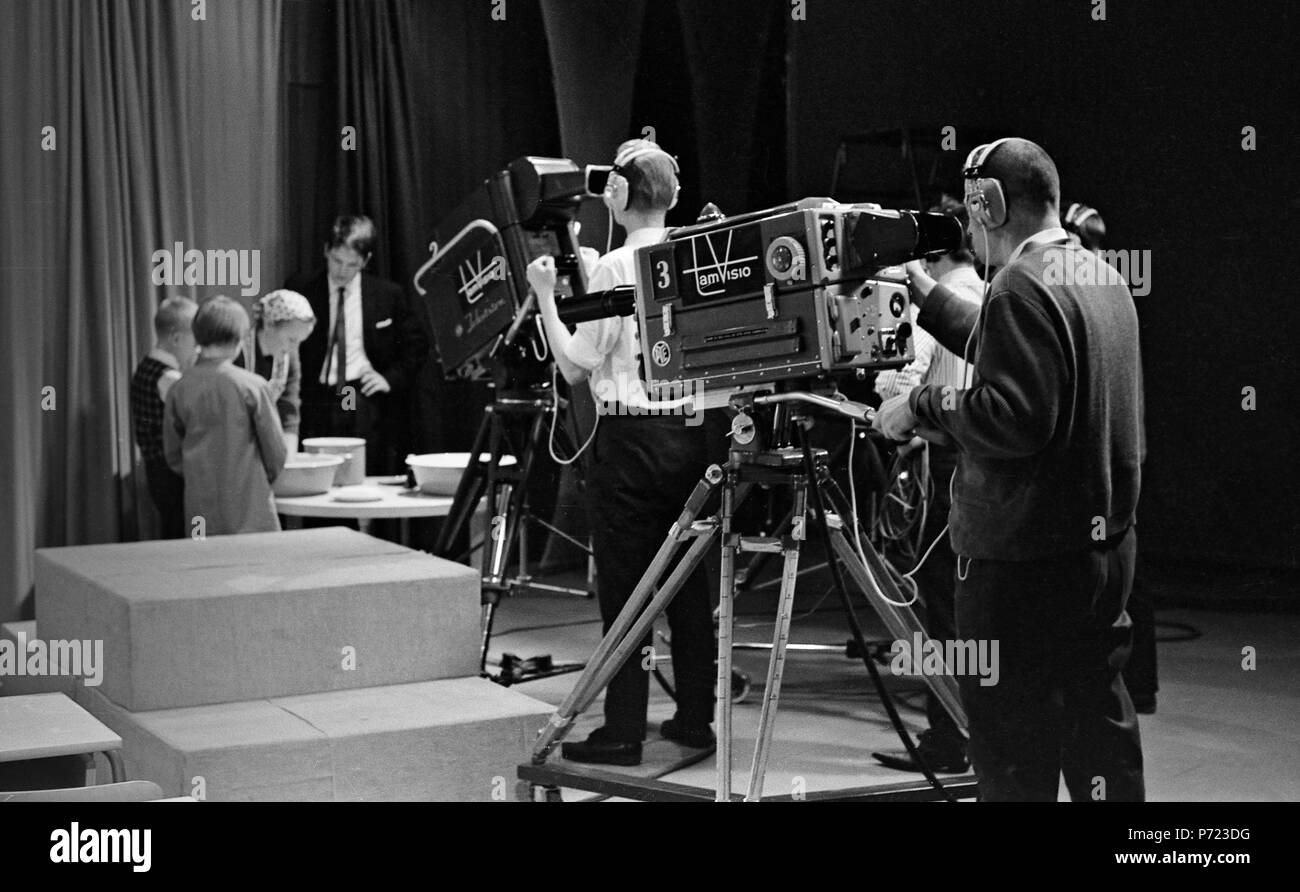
x=447 y=403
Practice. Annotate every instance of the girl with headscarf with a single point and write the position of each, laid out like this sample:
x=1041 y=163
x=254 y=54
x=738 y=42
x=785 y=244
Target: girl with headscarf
x=281 y=321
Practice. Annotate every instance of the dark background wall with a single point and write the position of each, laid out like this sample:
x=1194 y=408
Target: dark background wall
x=1143 y=113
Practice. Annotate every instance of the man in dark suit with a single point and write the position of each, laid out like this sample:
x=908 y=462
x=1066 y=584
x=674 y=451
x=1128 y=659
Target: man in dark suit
x=358 y=364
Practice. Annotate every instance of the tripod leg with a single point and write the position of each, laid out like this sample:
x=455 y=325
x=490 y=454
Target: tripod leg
x=874 y=580
x=468 y=492
x=726 y=595
x=516 y=528
x=780 y=639
x=630 y=627
x=489 y=614
x=589 y=684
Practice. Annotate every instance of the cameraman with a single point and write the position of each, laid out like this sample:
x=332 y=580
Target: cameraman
x=942 y=746
x=1051 y=444
x=642 y=469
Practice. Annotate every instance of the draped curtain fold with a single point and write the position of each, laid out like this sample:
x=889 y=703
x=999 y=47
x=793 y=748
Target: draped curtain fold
x=442 y=95
x=380 y=177
x=164 y=130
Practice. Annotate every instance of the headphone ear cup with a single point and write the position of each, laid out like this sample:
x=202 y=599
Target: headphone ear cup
x=995 y=202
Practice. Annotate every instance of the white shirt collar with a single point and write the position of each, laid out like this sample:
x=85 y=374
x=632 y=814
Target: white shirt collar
x=651 y=235
x=1043 y=236
x=164 y=357
x=351 y=289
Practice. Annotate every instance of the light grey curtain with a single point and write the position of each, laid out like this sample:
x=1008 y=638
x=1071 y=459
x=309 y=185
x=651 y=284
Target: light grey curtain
x=166 y=129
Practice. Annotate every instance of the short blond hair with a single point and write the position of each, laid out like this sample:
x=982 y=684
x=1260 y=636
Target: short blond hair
x=220 y=322
x=173 y=314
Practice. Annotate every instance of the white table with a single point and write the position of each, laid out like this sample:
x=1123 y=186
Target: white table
x=393 y=502
x=40 y=726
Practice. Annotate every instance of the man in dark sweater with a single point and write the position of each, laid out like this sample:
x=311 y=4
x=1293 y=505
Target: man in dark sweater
x=1050 y=435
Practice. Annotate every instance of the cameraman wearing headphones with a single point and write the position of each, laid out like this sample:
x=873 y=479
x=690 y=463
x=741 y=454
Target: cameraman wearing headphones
x=1051 y=443
x=642 y=469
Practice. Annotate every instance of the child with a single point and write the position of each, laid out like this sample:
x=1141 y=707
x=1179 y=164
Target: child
x=222 y=432
x=174 y=351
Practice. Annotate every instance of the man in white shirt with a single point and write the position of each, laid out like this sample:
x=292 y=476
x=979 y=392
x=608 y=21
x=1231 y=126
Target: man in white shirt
x=934 y=363
x=642 y=469
x=942 y=745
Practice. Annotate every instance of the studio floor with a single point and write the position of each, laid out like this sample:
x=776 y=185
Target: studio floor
x=1221 y=732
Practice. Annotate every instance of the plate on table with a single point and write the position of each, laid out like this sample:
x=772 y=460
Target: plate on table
x=358 y=494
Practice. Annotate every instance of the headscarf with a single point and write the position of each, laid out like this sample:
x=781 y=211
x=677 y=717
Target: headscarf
x=276 y=308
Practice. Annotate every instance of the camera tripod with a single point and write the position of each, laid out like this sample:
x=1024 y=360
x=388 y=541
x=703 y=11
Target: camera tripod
x=805 y=471
x=515 y=423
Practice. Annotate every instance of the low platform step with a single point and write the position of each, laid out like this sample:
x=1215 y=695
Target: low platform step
x=450 y=740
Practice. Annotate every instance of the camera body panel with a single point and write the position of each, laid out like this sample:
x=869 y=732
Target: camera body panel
x=475 y=281
x=800 y=291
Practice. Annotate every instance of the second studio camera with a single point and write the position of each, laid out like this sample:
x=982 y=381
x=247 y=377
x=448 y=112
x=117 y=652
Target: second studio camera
x=474 y=284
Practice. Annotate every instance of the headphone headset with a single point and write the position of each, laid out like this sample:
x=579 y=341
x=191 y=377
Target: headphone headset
x=985 y=198
x=624 y=166
x=1075 y=216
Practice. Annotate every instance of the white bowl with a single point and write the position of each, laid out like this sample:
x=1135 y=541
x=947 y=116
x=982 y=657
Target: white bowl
x=439 y=473
x=353 y=450
x=307 y=474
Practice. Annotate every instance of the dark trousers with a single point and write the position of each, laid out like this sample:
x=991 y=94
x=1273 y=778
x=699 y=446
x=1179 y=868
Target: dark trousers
x=935 y=580
x=326 y=414
x=1059 y=704
x=1141 y=675
x=167 y=489
x=642 y=471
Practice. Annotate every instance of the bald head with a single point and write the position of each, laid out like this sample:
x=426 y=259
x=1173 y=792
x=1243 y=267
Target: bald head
x=1029 y=179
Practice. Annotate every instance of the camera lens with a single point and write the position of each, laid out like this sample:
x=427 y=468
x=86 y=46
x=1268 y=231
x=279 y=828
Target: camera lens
x=781 y=259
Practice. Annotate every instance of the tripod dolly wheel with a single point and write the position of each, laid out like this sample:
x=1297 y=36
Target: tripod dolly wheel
x=739 y=686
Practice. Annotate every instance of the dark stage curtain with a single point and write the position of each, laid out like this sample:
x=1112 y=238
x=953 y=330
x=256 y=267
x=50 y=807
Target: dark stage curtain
x=726 y=76
x=442 y=95
x=165 y=130
x=381 y=176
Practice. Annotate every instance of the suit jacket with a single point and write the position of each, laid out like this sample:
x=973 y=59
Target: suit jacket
x=393 y=340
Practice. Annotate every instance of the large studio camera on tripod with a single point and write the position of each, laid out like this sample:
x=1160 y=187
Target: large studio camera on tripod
x=761 y=313
x=485 y=327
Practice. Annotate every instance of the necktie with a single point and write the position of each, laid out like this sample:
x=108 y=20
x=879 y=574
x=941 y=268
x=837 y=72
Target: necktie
x=340 y=345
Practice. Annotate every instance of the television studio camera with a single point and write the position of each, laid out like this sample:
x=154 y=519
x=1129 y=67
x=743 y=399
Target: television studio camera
x=485 y=326
x=762 y=313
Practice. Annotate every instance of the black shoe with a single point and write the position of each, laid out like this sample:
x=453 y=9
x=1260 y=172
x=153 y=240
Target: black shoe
x=695 y=736
x=600 y=749
x=947 y=758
